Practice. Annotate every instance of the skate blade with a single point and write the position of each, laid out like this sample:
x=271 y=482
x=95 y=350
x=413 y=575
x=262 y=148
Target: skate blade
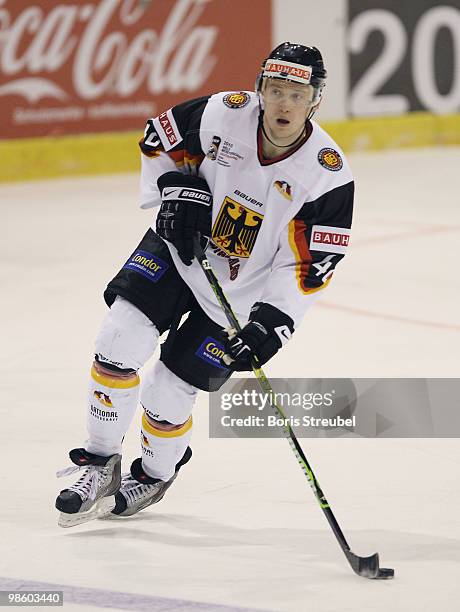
x=111 y=517
x=101 y=508
x=115 y=517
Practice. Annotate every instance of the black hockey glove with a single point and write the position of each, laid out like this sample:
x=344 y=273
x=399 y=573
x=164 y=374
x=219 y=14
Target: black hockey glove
x=186 y=209
x=268 y=329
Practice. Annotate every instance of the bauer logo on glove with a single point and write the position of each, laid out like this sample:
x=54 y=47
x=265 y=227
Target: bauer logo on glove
x=186 y=209
x=186 y=195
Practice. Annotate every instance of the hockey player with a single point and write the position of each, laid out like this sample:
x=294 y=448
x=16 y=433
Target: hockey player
x=271 y=195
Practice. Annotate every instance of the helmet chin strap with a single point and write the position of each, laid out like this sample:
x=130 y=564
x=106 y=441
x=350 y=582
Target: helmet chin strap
x=299 y=137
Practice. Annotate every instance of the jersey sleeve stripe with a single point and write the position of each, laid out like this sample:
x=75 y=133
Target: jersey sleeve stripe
x=298 y=242
x=183 y=158
x=193 y=160
x=177 y=157
x=148 y=151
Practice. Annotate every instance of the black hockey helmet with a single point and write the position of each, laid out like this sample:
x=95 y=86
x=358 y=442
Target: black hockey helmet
x=293 y=62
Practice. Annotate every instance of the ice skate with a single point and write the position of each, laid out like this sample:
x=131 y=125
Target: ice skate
x=138 y=490
x=92 y=496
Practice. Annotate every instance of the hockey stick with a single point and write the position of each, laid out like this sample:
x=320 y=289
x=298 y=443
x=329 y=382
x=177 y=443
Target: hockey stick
x=368 y=567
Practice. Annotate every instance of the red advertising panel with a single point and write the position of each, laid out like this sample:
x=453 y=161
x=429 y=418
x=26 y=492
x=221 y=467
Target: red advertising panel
x=106 y=65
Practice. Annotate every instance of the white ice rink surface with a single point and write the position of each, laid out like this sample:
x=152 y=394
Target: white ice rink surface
x=240 y=527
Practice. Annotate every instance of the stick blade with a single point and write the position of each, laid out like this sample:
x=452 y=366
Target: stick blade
x=369 y=567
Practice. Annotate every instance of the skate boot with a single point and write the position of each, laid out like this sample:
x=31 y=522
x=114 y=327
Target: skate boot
x=92 y=495
x=138 y=490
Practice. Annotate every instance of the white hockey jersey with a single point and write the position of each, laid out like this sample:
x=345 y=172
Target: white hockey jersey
x=279 y=226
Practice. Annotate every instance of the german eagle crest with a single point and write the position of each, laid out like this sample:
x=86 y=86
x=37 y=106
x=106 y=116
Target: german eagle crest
x=236 y=228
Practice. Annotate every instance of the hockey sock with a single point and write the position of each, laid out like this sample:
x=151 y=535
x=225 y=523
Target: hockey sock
x=112 y=402
x=163 y=449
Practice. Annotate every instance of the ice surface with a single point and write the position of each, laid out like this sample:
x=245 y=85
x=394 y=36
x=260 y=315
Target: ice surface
x=240 y=527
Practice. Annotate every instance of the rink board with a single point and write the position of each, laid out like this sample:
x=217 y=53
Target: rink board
x=110 y=153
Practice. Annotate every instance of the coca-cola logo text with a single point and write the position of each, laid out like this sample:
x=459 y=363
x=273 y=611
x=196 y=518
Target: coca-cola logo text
x=103 y=60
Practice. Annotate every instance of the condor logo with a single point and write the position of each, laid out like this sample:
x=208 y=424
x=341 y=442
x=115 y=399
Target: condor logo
x=150 y=266
x=329 y=239
x=212 y=352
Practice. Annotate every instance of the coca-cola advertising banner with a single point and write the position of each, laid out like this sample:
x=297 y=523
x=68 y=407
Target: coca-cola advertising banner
x=107 y=65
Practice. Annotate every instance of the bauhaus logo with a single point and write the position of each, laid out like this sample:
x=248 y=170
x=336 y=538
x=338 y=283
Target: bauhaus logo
x=329 y=239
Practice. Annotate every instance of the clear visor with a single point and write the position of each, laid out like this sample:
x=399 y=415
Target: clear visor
x=282 y=90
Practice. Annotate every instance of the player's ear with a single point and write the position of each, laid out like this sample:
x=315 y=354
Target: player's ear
x=260 y=89
x=313 y=109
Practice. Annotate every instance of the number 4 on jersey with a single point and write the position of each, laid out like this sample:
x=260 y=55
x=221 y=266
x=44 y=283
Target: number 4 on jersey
x=323 y=267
